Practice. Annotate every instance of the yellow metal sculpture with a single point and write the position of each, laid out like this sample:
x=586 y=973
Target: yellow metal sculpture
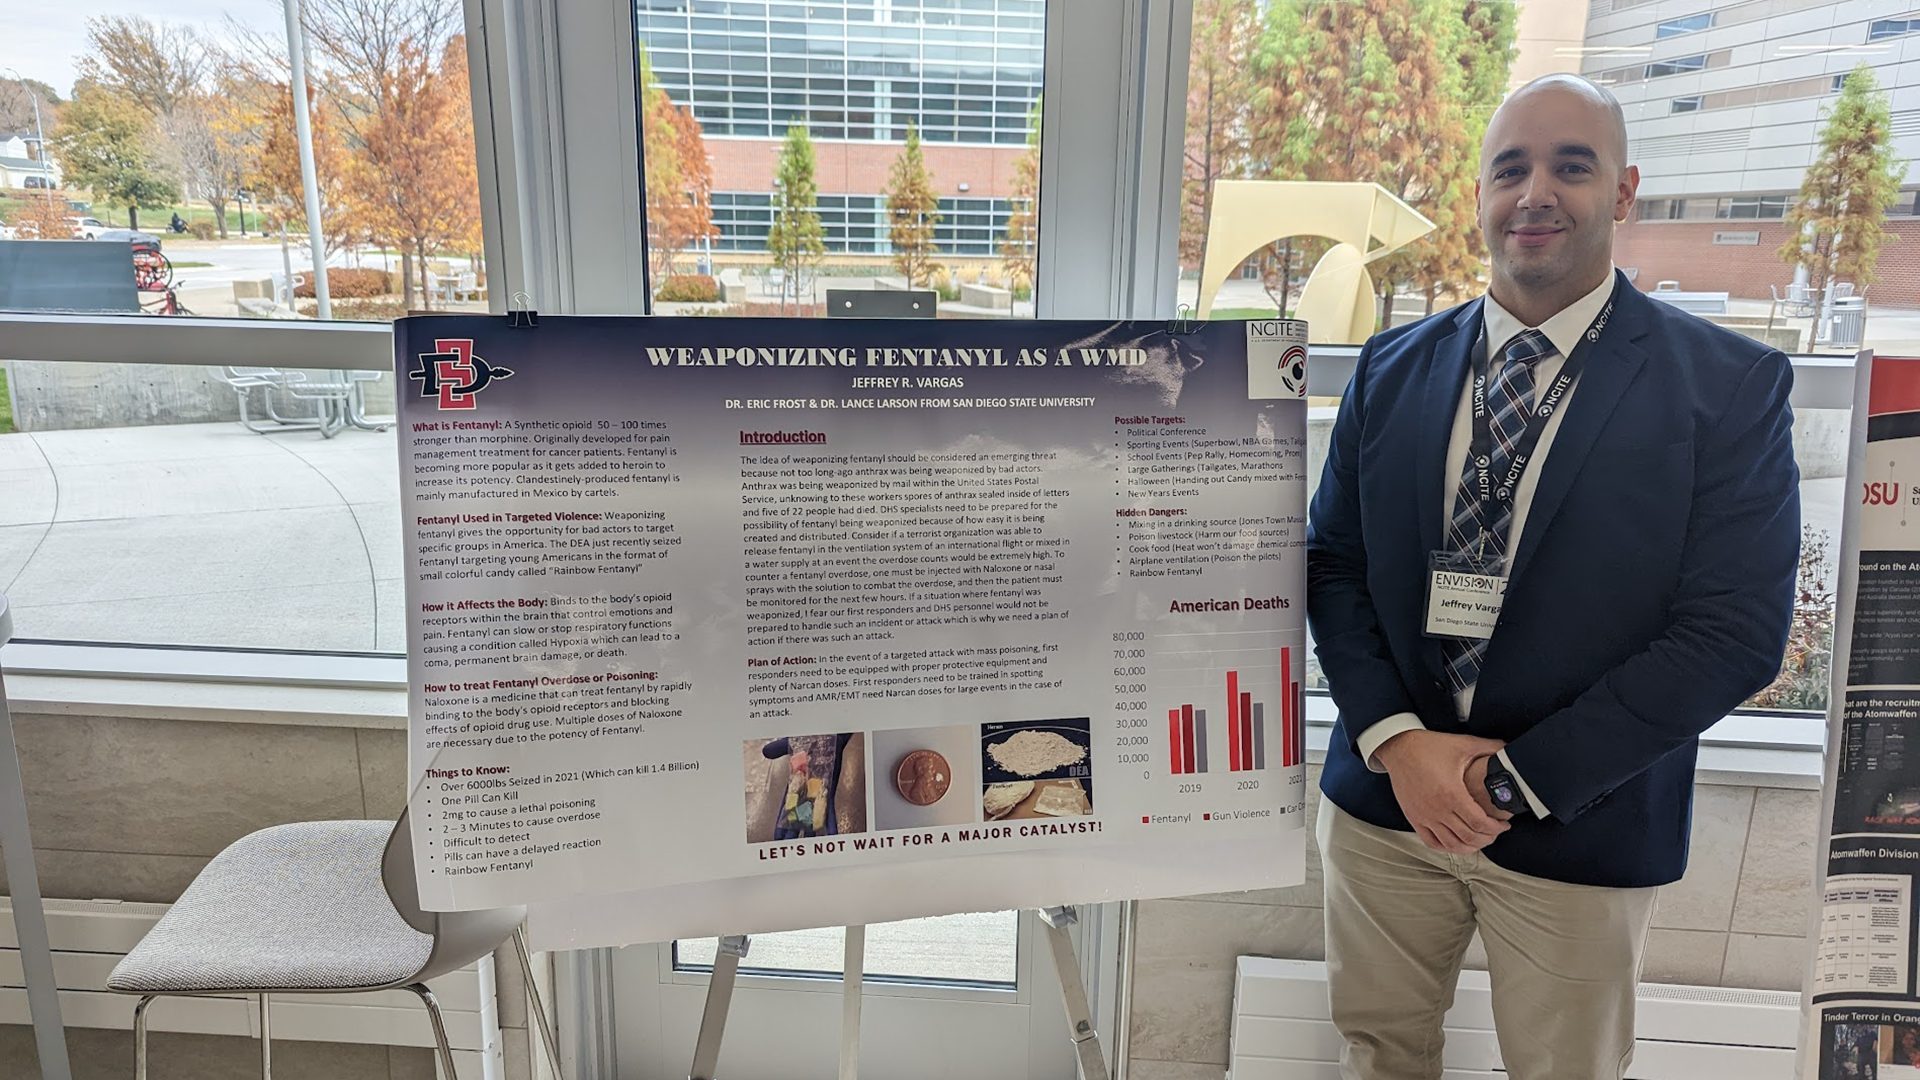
x=1365 y=222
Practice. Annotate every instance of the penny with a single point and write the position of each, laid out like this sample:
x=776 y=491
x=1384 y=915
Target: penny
x=923 y=777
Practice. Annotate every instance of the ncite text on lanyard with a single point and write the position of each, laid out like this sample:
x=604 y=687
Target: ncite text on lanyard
x=1480 y=451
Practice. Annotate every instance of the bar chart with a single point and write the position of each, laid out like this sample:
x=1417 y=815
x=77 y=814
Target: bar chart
x=1237 y=682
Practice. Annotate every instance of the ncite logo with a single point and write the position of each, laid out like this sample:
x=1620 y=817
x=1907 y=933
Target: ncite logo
x=1293 y=368
x=453 y=375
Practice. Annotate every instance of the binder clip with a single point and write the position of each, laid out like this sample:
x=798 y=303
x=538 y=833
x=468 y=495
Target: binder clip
x=1183 y=321
x=520 y=311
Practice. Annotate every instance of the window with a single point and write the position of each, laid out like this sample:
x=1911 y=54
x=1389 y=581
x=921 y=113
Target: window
x=1686 y=25
x=163 y=156
x=1688 y=104
x=1758 y=207
x=1904 y=206
x=1889 y=28
x=1662 y=209
x=1677 y=66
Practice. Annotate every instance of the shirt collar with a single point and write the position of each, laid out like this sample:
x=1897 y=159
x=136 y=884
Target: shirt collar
x=1563 y=329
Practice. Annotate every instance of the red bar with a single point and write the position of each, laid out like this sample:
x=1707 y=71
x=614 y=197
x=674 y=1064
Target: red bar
x=1299 y=724
x=1246 y=729
x=1233 y=721
x=1286 y=710
x=1186 y=736
x=1173 y=737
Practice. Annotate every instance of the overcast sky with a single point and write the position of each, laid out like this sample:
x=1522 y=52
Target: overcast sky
x=43 y=40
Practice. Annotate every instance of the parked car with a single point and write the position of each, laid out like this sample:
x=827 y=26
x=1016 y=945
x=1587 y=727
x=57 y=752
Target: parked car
x=87 y=228
x=127 y=236
x=7 y=232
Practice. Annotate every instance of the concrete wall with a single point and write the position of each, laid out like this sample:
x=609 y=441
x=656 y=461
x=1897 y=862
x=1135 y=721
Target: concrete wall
x=1738 y=919
x=57 y=396
x=132 y=809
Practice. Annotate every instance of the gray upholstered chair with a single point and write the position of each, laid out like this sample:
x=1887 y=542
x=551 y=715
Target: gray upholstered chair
x=317 y=907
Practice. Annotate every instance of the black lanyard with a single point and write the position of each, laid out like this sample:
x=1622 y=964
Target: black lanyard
x=1501 y=490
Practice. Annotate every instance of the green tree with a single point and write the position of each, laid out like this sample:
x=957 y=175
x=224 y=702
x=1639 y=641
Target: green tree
x=913 y=211
x=1019 y=243
x=797 y=239
x=1837 y=223
x=105 y=142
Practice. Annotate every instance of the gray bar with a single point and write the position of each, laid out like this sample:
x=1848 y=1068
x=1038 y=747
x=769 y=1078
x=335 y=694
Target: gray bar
x=1259 y=735
x=1199 y=740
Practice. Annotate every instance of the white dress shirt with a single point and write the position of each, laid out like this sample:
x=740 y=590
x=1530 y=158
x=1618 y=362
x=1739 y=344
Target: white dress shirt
x=1500 y=327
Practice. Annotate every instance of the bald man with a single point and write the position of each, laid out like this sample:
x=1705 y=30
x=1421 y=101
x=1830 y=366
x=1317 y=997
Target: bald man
x=1554 y=542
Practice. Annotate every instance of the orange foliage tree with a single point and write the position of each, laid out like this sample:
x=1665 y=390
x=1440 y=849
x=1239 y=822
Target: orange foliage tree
x=275 y=169
x=679 y=176
x=414 y=180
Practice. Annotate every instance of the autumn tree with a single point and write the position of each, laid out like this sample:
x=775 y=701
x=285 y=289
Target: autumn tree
x=797 y=239
x=1019 y=243
x=1389 y=91
x=105 y=143
x=211 y=143
x=1218 y=103
x=1837 y=223
x=158 y=66
x=415 y=178
x=274 y=171
x=913 y=212
x=366 y=47
x=42 y=219
x=17 y=104
x=679 y=175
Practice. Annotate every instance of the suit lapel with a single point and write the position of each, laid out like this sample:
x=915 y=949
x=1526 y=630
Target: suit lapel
x=1616 y=359
x=1446 y=381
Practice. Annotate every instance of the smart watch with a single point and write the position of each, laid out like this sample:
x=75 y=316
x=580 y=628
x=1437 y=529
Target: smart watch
x=1504 y=790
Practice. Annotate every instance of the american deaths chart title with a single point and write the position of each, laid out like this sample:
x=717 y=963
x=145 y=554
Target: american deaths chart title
x=722 y=625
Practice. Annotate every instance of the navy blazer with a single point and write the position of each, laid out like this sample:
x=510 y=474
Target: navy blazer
x=1649 y=595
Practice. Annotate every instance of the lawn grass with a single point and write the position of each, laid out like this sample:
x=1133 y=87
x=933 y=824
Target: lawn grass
x=6 y=405
x=1243 y=313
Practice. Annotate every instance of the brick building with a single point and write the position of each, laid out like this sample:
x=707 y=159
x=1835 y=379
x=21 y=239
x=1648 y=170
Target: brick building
x=1743 y=261
x=966 y=73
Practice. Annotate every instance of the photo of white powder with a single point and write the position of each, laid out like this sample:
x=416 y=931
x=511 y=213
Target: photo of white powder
x=1030 y=753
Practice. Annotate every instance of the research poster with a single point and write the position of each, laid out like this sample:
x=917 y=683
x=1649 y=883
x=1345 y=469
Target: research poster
x=726 y=625
x=1862 y=1000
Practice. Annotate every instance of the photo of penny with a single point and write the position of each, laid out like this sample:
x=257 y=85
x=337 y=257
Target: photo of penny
x=923 y=777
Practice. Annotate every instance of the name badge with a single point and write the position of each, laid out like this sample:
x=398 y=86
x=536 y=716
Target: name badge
x=1463 y=604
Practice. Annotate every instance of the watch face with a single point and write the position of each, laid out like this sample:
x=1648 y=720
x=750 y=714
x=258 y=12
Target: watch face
x=1502 y=795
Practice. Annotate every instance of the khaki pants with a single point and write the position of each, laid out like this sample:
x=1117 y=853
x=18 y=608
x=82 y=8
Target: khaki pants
x=1563 y=959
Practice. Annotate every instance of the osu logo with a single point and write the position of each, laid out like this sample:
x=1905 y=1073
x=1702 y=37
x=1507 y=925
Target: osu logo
x=1881 y=493
x=1293 y=369
x=453 y=375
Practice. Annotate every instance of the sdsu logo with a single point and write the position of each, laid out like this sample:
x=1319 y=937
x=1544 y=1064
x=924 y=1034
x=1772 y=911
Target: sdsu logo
x=1293 y=369
x=453 y=375
x=1881 y=493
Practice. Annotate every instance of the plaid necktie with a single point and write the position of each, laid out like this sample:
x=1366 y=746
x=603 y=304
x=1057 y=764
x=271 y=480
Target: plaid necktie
x=1479 y=529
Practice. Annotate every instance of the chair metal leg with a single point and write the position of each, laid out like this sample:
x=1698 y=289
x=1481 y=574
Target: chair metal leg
x=266 y=1039
x=439 y=1028
x=534 y=1003
x=140 y=1038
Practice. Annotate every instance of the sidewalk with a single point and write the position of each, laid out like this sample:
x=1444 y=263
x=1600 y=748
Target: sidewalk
x=203 y=534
